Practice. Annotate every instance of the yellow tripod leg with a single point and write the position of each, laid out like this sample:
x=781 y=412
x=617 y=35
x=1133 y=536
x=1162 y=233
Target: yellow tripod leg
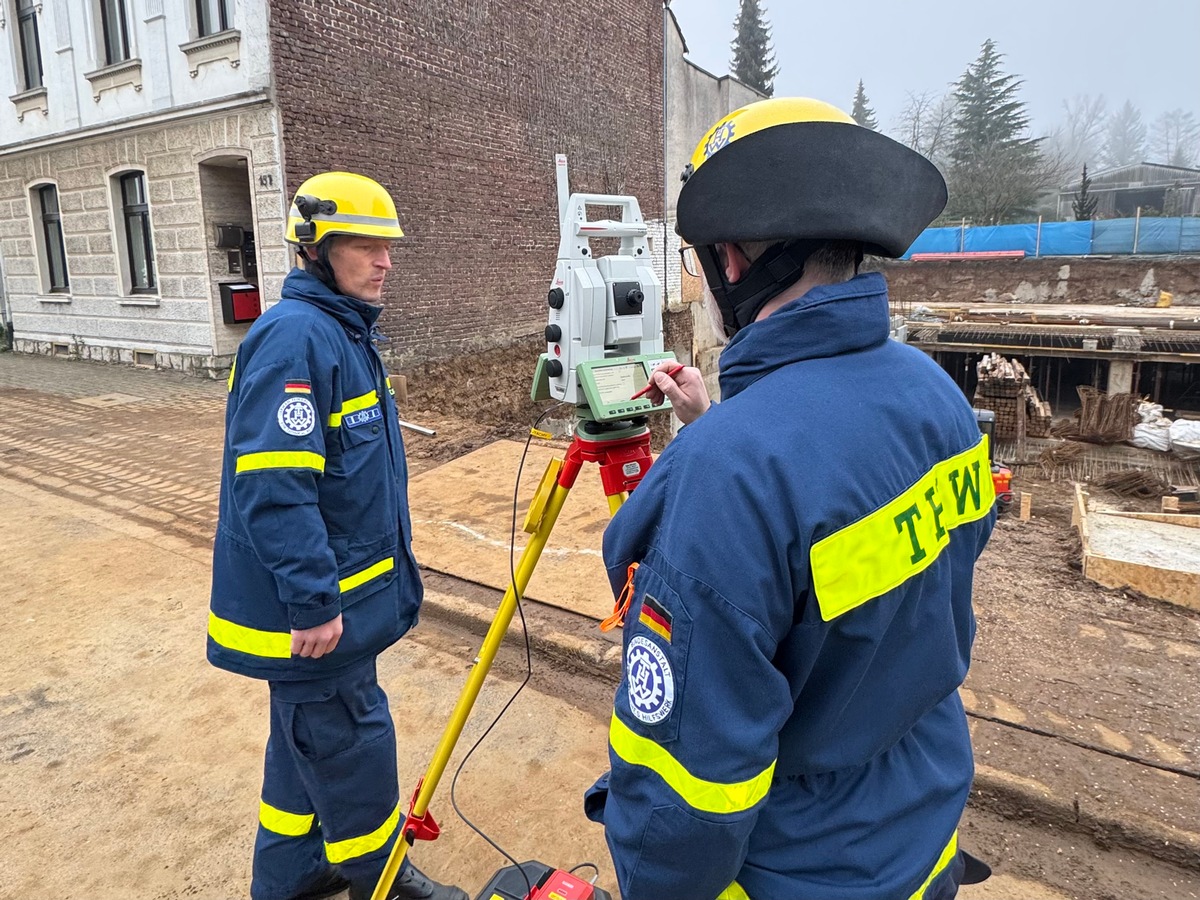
x=487 y=653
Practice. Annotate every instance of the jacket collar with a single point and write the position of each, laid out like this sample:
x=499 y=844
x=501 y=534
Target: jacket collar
x=354 y=314
x=829 y=320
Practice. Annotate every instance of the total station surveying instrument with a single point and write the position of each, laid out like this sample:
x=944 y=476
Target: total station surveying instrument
x=603 y=342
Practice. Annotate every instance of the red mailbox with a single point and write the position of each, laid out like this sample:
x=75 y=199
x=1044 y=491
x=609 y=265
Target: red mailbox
x=239 y=302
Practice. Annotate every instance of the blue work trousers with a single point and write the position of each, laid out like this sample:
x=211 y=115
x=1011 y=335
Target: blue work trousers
x=330 y=794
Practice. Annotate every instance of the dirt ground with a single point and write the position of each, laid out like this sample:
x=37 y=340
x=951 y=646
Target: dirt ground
x=130 y=768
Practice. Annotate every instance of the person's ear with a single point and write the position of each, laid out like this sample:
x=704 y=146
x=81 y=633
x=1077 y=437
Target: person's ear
x=736 y=264
x=310 y=252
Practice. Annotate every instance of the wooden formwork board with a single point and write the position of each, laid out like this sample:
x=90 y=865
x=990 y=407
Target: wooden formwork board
x=1154 y=554
x=462 y=515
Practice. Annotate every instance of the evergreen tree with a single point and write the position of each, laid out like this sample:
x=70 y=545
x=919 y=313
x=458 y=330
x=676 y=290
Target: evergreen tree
x=1125 y=141
x=753 y=60
x=1176 y=138
x=862 y=113
x=995 y=169
x=1084 y=204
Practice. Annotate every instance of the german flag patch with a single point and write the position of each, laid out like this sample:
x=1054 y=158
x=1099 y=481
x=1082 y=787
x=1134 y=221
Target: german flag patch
x=656 y=617
x=297 y=386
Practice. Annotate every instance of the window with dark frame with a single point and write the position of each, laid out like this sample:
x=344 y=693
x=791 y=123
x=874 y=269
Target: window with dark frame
x=212 y=17
x=116 y=31
x=139 y=246
x=52 y=239
x=31 y=46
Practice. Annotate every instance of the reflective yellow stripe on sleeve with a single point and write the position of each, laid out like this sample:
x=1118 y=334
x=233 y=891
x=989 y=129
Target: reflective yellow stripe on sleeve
x=273 y=644
x=351 y=848
x=354 y=404
x=948 y=854
x=901 y=539
x=350 y=582
x=706 y=796
x=232 y=369
x=733 y=892
x=285 y=823
x=281 y=459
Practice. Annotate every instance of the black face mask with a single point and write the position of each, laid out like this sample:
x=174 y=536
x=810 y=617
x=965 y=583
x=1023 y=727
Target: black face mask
x=769 y=276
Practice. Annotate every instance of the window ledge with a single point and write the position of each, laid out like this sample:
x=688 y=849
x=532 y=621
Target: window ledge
x=224 y=45
x=28 y=102
x=54 y=298
x=138 y=301
x=126 y=72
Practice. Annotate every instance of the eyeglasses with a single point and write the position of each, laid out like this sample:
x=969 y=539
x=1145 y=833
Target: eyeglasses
x=690 y=261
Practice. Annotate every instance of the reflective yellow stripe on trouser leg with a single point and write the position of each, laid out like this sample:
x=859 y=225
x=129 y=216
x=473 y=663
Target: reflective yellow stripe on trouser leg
x=351 y=848
x=736 y=892
x=285 y=823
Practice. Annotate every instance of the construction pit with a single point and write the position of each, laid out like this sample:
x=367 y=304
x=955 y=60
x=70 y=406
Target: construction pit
x=134 y=766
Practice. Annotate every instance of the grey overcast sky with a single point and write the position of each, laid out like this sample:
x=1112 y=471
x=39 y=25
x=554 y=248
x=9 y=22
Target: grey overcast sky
x=1145 y=51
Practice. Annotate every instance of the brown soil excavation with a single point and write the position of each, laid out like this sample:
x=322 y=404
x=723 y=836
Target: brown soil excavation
x=130 y=768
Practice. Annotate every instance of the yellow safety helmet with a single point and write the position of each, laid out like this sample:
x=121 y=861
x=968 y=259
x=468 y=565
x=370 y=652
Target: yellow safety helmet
x=341 y=203
x=800 y=171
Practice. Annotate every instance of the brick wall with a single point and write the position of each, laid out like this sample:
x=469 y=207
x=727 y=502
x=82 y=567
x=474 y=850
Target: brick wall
x=458 y=109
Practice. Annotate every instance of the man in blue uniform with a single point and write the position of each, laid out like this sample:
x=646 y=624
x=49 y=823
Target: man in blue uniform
x=788 y=723
x=313 y=575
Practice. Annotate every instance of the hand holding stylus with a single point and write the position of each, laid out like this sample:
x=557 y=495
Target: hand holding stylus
x=684 y=387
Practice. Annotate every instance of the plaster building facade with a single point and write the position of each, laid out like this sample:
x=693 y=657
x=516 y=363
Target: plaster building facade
x=148 y=150
x=132 y=128
x=696 y=100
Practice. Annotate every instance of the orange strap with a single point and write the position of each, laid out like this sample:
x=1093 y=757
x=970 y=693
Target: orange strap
x=622 y=605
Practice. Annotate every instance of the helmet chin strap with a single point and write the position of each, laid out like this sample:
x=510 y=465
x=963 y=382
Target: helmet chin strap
x=320 y=267
x=769 y=276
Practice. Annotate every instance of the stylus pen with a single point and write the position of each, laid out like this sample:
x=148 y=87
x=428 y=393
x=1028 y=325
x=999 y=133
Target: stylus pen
x=671 y=373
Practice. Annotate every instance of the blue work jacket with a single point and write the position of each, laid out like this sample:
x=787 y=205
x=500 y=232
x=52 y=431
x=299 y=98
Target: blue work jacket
x=314 y=512
x=788 y=723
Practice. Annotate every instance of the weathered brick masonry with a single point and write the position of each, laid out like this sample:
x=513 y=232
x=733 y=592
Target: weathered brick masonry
x=459 y=109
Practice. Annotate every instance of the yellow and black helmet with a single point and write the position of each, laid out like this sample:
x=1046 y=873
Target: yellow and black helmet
x=341 y=203
x=797 y=170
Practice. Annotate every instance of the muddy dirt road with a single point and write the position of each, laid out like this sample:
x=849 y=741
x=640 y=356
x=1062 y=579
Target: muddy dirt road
x=130 y=769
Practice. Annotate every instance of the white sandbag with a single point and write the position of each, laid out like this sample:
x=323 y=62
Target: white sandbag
x=1150 y=413
x=1152 y=437
x=1186 y=430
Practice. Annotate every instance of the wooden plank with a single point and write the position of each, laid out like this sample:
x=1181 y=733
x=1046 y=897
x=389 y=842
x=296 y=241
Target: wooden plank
x=1180 y=588
x=1026 y=505
x=1184 y=520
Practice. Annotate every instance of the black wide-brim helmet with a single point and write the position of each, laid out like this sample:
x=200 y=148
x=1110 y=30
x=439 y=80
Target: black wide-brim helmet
x=798 y=170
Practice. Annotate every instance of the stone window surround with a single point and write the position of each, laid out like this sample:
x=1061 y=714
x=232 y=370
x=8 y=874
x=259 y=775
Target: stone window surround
x=127 y=297
x=126 y=72
x=31 y=101
x=46 y=293
x=224 y=45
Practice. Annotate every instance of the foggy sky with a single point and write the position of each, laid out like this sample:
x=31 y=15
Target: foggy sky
x=1146 y=51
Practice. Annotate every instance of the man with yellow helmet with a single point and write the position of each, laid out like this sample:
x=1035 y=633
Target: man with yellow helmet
x=788 y=722
x=313 y=573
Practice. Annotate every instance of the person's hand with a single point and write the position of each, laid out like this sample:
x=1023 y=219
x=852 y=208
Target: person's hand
x=316 y=642
x=686 y=391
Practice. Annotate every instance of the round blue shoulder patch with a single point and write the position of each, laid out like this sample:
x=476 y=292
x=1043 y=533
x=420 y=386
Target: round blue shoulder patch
x=651 y=682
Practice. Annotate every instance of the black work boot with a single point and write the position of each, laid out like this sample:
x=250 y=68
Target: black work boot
x=328 y=885
x=412 y=884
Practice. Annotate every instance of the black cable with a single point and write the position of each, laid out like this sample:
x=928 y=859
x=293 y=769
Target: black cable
x=586 y=865
x=512 y=572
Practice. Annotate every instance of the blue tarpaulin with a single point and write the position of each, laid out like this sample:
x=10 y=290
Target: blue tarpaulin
x=1101 y=237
